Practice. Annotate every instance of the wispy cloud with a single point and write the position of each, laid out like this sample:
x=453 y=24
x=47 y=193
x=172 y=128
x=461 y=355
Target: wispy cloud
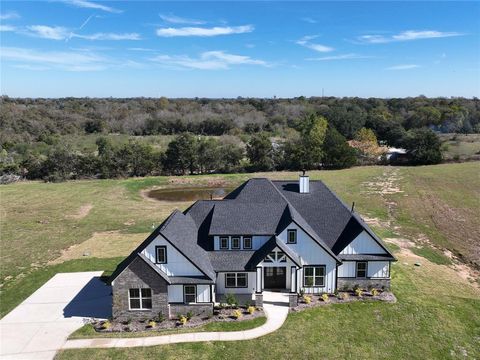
x=408 y=35
x=7 y=28
x=403 y=67
x=209 y=60
x=309 y=20
x=201 y=31
x=63 y=60
x=109 y=36
x=173 y=19
x=306 y=42
x=9 y=15
x=92 y=5
x=140 y=49
x=340 y=57
x=48 y=32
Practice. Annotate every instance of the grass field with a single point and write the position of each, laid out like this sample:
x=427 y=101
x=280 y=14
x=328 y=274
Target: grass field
x=427 y=215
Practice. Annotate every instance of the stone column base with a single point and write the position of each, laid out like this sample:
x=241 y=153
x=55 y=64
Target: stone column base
x=259 y=300
x=292 y=300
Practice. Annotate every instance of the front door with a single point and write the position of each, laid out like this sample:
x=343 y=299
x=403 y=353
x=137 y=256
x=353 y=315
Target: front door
x=275 y=278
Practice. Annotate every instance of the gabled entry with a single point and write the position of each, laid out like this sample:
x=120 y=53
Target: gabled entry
x=275 y=278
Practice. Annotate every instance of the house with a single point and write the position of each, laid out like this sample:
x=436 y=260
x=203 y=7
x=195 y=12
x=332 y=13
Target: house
x=292 y=236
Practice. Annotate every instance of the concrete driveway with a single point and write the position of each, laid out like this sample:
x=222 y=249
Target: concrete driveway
x=40 y=325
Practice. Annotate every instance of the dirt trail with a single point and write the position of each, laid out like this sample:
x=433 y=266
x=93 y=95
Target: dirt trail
x=388 y=184
x=82 y=212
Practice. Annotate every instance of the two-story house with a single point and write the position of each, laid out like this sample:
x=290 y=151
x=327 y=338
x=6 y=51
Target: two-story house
x=287 y=236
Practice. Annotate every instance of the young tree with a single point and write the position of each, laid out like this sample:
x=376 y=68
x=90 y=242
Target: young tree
x=259 y=152
x=208 y=155
x=338 y=154
x=424 y=147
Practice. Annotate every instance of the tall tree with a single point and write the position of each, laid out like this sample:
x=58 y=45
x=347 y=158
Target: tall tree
x=181 y=154
x=260 y=152
x=424 y=147
x=338 y=154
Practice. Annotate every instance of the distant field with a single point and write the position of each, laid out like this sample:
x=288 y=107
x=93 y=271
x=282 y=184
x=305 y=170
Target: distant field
x=461 y=146
x=426 y=214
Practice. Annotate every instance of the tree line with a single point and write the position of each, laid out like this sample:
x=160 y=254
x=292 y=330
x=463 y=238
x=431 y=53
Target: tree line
x=313 y=144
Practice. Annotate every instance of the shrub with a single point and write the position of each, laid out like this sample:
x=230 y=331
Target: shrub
x=358 y=292
x=325 y=297
x=237 y=314
x=251 y=309
x=152 y=324
x=374 y=292
x=307 y=299
x=106 y=325
x=189 y=315
x=161 y=317
x=183 y=319
x=302 y=292
x=231 y=299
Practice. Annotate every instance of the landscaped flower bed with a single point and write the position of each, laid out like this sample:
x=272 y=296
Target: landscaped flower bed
x=223 y=313
x=306 y=301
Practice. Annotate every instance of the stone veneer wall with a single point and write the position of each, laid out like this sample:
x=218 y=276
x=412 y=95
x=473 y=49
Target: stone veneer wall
x=139 y=275
x=350 y=283
x=259 y=300
x=292 y=300
x=196 y=309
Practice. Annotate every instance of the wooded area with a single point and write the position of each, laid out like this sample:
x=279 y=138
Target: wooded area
x=221 y=135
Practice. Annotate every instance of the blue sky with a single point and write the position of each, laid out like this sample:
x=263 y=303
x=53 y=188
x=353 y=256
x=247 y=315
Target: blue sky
x=230 y=49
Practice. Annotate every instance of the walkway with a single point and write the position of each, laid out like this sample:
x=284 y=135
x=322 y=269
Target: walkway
x=40 y=325
x=275 y=306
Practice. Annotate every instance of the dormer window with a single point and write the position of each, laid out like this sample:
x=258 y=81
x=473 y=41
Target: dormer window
x=161 y=254
x=292 y=236
x=235 y=243
x=247 y=243
x=224 y=243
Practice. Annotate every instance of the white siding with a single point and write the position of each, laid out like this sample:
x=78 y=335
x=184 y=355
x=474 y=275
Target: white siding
x=220 y=289
x=347 y=269
x=311 y=253
x=363 y=244
x=177 y=264
x=203 y=293
x=257 y=241
x=175 y=293
x=378 y=269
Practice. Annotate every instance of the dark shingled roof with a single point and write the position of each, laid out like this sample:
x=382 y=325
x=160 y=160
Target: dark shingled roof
x=258 y=207
x=353 y=257
x=190 y=280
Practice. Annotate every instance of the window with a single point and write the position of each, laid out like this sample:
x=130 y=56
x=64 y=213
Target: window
x=361 y=269
x=189 y=294
x=140 y=299
x=236 y=280
x=161 y=254
x=292 y=236
x=235 y=243
x=224 y=243
x=314 y=276
x=247 y=242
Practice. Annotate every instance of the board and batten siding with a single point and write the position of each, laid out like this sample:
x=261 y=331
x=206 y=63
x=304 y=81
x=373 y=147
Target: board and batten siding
x=363 y=244
x=177 y=264
x=257 y=241
x=221 y=289
x=375 y=269
x=378 y=269
x=311 y=253
x=175 y=293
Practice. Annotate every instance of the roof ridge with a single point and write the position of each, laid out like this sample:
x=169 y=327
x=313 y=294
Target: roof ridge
x=169 y=218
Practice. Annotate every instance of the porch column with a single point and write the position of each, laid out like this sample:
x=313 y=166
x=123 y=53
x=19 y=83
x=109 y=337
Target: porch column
x=293 y=279
x=259 y=281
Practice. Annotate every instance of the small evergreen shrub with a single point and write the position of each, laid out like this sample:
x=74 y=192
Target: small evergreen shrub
x=189 y=315
x=161 y=317
x=231 y=299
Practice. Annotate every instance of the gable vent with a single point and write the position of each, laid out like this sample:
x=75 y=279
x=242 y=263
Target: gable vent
x=304 y=184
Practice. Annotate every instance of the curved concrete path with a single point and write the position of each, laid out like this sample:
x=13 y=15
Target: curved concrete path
x=276 y=310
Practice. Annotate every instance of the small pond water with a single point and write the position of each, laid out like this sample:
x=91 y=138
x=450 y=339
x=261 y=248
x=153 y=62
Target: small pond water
x=189 y=193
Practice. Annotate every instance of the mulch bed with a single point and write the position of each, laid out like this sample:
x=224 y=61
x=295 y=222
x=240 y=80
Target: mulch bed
x=342 y=298
x=220 y=314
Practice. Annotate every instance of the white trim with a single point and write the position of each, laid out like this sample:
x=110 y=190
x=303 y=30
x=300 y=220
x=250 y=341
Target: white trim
x=140 y=298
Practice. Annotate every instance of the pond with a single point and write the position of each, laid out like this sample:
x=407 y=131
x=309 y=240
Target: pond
x=189 y=193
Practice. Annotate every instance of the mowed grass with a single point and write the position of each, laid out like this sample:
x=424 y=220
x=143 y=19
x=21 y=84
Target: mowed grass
x=88 y=332
x=431 y=320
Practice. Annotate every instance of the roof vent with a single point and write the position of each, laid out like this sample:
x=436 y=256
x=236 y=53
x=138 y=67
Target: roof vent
x=304 y=183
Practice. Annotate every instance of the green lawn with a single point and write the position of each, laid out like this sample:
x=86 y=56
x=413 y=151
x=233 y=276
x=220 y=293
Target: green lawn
x=88 y=332
x=435 y=207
